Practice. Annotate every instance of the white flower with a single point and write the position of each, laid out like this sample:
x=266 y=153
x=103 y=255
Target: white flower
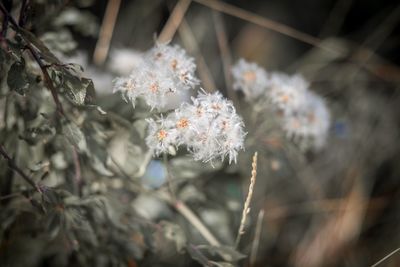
x=148 y=82
x=127 y=87
x=209 y=128
x=175 y=59
x=249 y=78
x=161 y=135
x=164 y=72
x=287 y=93
x=310 y=124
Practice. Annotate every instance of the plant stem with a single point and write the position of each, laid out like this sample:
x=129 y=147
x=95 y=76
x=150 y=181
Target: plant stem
x=47 y=79
x=38 y=60
x=169 y=178
x=15 y=168
x=22 y=13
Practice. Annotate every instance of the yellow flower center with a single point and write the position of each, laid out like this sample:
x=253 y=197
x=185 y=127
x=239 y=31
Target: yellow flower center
x=249 y=76
x=182 y=123
x=161 y=135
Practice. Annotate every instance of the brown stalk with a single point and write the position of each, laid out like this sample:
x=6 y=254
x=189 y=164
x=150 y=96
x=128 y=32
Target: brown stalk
x=106 y=32
x=174 y=21
x=192 y=47
x=225 y=53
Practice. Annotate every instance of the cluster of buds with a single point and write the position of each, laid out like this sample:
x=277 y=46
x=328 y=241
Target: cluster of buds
x=304 y=115
x=164 y=71
x=209 y=128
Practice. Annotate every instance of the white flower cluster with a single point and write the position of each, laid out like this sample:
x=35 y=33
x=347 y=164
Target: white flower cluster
x=164 y=70
x=209 y=128
x=310 y=123
x=249 y=78
x=304 y=114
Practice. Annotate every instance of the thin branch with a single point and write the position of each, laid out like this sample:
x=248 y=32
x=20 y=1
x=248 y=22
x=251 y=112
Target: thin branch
x=78 y=172
x=386 y=257
x=196 y=222
x=246 y=207
x=174 y=21
x=38 y=60
x=264 y=22
x=225 y=53
x=367 y=49
x=106 y=32
x=169 y=178
x=192 y=47
x=47 y=79
x=15 y=168
x=22 y=13
x=12 y=195
x=4 y=27
x=257 y=237
x=7 y=14
x=336 y=18
x=189 y=215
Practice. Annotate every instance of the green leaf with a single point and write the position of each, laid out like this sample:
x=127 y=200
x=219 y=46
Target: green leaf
x=79 y=90
x=45 y=53
x=17 y=79
x=75 y=136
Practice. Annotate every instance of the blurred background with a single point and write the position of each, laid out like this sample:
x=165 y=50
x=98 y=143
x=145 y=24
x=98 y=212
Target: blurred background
x=338 y=206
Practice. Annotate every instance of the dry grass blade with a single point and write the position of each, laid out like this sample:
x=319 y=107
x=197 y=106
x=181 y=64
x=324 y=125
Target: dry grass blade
x=336 y=18
x=174 y=21
x=257 y=237
x=246 y=208
x=225 y=53
x=190 y=216
x=192 y=47
x=196 y=222
x=106 y=31
x=367 y=50
x=264 y=22
x=386 y=257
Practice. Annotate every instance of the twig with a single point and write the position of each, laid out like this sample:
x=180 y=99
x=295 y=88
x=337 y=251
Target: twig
x=22 y=13
x=174 y=21
x=47 y=79
x=189 y=215
x=196 y=222
x=15 y=168
x=192 y=47
x=5 y=18
x=264 y=22
x=7 y=14
x=169 y=178
x=246 y=208
x=386 y=257
x=376 y=38
x=225 y=53
x=38 y=60
x=106 y=32
x=257 y=237
x=78 y=173
x=336 y=18
x=50 y=86
x=6 y=197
